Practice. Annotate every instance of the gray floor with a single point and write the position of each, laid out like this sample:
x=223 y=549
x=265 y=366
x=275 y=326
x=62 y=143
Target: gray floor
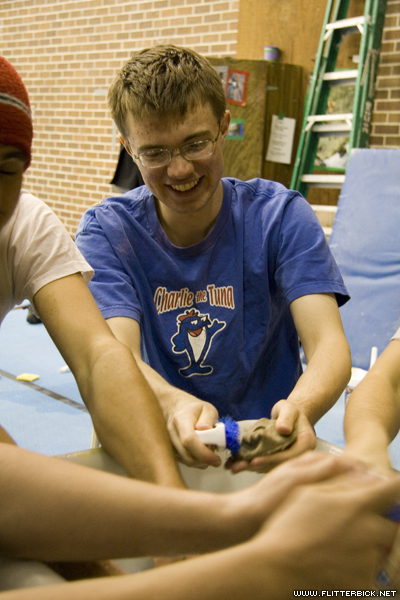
x=49 y=416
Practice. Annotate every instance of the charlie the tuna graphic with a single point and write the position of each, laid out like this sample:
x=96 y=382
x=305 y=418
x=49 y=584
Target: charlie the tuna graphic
x=195 y=333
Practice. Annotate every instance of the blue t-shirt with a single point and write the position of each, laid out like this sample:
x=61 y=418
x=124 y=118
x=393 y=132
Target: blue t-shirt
x=214 y=317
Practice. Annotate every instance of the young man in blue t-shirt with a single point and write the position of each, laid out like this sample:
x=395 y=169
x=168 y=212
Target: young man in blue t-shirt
x=211 y=282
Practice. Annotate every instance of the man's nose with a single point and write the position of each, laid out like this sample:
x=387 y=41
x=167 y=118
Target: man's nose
x=179 y=165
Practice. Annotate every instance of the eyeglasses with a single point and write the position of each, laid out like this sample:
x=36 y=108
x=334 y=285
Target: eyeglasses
x=161 y=157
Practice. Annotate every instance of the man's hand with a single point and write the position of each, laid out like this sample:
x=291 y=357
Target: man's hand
x=335 y=535
x=287 y=416
x=255 y=504
x=189 y=414
x=183 y=412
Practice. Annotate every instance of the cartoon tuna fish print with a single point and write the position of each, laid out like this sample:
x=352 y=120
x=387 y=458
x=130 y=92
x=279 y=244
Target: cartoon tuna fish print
x=195 y=333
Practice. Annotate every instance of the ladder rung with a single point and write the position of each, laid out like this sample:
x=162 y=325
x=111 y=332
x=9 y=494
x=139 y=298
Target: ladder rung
x=327 y=231
x=341 y=75
x=323 y=181
x=332 y=128
x=312 y=119
x=324 y=208
x=344 y=23
x=350 y=24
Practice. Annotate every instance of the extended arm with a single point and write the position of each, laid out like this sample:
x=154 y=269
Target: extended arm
x=319 y=326
x=125 y=412
x=327 y=352
x=55 y=510
x=324 y=535
x=372 y=417
x=182 y=411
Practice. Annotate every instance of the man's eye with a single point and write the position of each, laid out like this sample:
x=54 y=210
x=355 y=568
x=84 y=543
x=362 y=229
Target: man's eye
x=196 y=147
x=154 y=154
x=11 y=166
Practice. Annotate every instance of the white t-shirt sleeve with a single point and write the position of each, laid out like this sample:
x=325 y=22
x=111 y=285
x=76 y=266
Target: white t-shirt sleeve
x=396 y=335
x=40 y=250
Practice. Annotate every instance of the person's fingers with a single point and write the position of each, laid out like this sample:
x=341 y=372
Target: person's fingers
x=306 y=440
x=341 y=520
x=272 y=489
x=263 y=464
x=182 y=432
x=192 y=452
x=386 y=497
x=311 y=467
x=236 y=466
x=208 y=415
x=286 y=415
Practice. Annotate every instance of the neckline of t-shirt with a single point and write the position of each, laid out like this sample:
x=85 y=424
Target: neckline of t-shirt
x=200 y=247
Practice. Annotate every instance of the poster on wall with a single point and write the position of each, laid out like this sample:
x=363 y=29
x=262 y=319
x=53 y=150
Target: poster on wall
x=222 y=71
x=236 y=87
x=281 y=138
x=236 y=130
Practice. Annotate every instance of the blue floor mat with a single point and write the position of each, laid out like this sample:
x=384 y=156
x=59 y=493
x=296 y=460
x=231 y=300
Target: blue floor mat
x=36 y=420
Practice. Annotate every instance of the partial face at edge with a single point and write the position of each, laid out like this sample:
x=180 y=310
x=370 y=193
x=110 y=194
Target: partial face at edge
x=12 y=166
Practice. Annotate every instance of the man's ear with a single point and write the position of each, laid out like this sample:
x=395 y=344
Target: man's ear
x=226 y=119
x=126 y=145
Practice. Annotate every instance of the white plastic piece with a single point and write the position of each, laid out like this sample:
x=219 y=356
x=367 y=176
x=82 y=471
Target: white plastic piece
x=357 y=375
x=213 y=437
x=94 y=442
x=374 y=356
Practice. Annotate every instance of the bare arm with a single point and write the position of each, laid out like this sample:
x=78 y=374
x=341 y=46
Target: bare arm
x=182 y=411
x=56 y=510
x=319 y=326
x=372 y=417
x=323 y=536
x=125 y=412
x=327 y=352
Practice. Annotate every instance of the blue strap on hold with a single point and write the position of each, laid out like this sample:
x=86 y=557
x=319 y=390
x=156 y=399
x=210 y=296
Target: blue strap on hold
x=394 y=513
x=232 y=434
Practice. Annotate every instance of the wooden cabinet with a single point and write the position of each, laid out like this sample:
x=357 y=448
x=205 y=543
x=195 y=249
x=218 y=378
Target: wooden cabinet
x=272 y=88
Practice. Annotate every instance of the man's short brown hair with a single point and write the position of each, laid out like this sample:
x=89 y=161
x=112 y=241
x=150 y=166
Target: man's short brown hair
x=164 y=81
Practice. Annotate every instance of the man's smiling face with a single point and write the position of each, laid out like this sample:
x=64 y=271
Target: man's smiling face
x=183 y=186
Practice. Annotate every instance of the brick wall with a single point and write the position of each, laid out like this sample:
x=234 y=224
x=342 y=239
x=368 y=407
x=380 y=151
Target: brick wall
x=386 y=116
x=68 y=52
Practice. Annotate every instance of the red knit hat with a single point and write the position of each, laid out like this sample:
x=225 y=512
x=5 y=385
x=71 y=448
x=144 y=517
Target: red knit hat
x=15 y=111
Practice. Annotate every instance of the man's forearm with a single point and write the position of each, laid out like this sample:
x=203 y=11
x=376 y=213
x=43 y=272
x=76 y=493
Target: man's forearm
x=55 y=510
x=319 y=326
x=372 y=420
x=372 y=417
x=290 y=553
x=234 y=573
x=125 y=412
x=323 y=381
x=128 y=419
x=167 y=395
